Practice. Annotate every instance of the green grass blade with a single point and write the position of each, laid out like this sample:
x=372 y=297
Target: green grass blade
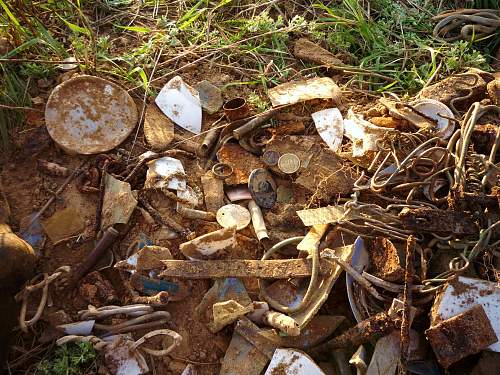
x=11 y=16
x=136 y=29
x=74 y=27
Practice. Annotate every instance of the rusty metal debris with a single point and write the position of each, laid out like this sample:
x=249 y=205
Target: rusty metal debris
x=470 y=23
x=78 y=121
x=401 y=196
x=462 y=335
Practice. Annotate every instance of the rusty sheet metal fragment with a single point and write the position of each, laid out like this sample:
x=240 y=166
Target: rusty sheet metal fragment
x=158 y=129
x=300 y=91
x=376 y=326
x=243 y=358
x=455 y=87
x=146 y=259
x=316 y=331
x=242 y=162
x=325 y=215
x=119 y=202
x=438 y=221
x=213 y=190
x=227 y=312
x=384 y=260
x=89 y=115
x=214 y=245
x=462 y=335
x=464 y=293
x=322 y=172
x=313 y=237
x=265 y=269
x=64 y=224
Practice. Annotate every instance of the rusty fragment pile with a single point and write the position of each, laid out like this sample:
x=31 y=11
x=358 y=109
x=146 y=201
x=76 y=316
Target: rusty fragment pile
x=333 y=240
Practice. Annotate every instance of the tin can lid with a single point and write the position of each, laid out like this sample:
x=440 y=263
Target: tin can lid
x=233 y=215
x=289 y=163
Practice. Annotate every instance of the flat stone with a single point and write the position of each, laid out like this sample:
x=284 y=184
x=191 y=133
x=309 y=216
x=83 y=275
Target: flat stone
x=158 y=128
x=210 y=96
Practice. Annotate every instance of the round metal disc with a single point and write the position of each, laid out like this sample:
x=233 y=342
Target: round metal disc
x=233 y=215
x=271 y=157
x=289 y=163
x=262 y=187
x=89 y=115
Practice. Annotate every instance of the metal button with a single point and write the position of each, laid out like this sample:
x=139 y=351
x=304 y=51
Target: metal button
x=262 y=187
x=271 y=157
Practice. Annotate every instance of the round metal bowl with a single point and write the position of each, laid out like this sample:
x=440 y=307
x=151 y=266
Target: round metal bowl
x=89 y=115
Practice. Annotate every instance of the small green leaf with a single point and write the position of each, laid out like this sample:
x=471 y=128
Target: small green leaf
x=9 y=13
x=22 y=47
x=142 y=74
x=75 y=28
x=137 y=29
x=185 y=24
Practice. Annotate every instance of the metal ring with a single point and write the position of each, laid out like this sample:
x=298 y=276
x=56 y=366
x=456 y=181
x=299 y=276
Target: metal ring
x=222 y=170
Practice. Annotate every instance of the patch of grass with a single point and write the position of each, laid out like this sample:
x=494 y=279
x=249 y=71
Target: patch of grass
x=385 y=37
x=13 y=93
x=393 y=39
x=70 y=359
x=257 y=102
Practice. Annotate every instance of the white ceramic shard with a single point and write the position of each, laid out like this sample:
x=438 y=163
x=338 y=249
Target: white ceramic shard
x=363 y=134
x=119 y=202
x=165 y=172
x=121 y=359
x=292 y=362
x=181 y=104
x=189 y=196
x=463 y=294
x=330 y=126
x=211 y=245
x=433 y=109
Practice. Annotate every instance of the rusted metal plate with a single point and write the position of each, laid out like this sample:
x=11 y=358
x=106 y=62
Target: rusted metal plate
x=89 y=115
x=438 y=221
x=242 y=162
x=462 y=335
x=119 y=202
x=243 y=358
x=322 y=172
x=265 y=269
